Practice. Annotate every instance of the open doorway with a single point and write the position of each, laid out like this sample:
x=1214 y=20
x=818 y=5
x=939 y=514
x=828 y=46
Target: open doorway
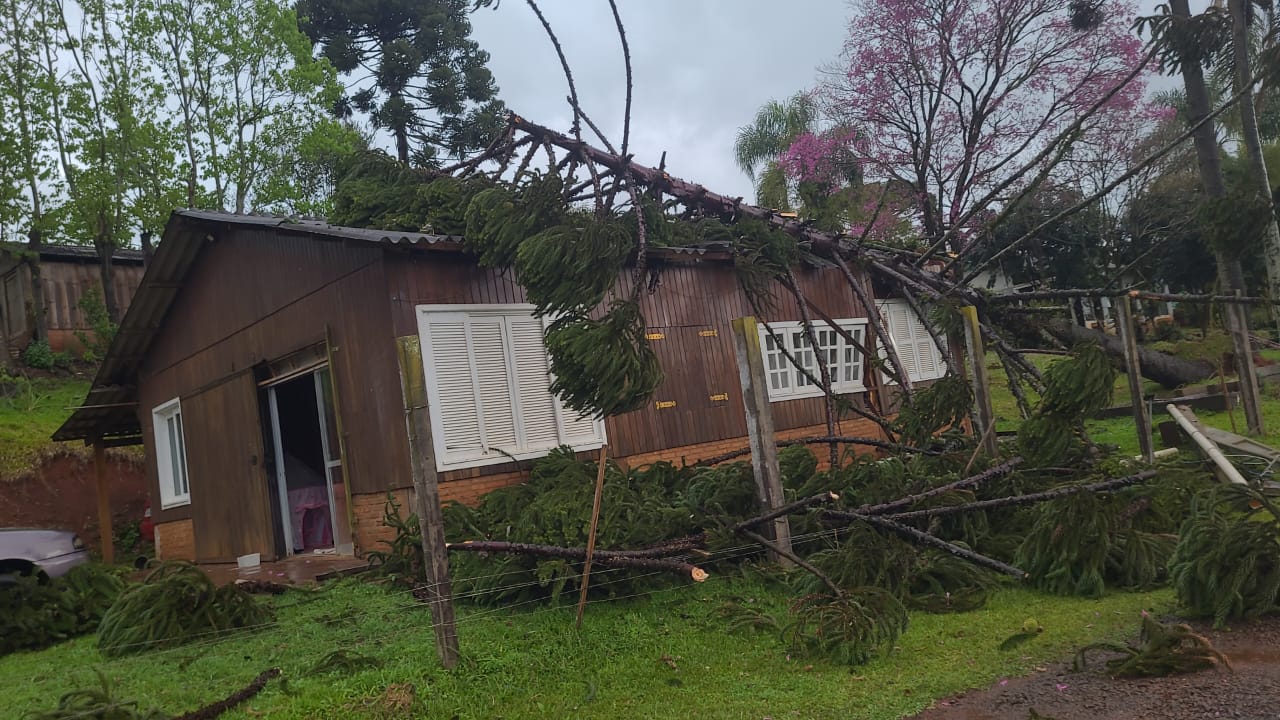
x=312 y=492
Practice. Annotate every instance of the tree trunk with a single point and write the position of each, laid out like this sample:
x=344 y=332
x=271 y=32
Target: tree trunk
x=1169 y=371
x=1252 y=140
x=147 y=249
x=1230 y=276
x=107 y=274
x=35 y=241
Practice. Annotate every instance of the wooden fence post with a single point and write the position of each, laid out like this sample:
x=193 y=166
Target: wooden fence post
x=760 y=432
x=1250 y=397
x=591 y=533
x=423 y=463
x=105 y=529
x=1133 y=368
x=985 y=412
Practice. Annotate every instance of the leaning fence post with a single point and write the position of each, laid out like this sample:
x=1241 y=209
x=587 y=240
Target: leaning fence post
x=985 y=412
x=430 y=520
x=1133 y=368
x=760 y=432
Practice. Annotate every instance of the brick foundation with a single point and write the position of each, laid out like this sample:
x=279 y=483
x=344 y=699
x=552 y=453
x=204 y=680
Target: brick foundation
x=175 y=540
x=371 y=533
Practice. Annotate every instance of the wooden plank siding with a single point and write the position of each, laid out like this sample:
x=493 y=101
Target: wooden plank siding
x=691 y=306
x=64 y=283
x=256 y=295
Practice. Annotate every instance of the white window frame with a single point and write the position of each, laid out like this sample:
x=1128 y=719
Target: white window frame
x=447 y=460
x=786 y=382
x=170 y=497
x=919 y=336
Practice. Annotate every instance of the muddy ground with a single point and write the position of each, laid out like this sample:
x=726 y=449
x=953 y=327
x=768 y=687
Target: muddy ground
x=1251 y=691
x=59 y=493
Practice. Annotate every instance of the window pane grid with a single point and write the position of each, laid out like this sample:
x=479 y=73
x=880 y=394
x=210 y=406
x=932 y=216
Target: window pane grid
x=842 y=358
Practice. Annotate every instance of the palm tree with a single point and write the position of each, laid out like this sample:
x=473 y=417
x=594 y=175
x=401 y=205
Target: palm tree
x=775 y=127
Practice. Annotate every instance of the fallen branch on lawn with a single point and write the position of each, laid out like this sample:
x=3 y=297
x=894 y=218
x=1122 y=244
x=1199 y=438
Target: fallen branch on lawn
x=208 y=712
x=1003 y=468
x=799 y=561
x=926 y=539
x=820 y=440
x=1104 y=486
x=608 y=558
x=788 y=509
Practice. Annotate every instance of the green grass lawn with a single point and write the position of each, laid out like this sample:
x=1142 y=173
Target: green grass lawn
x=31 y=414
x=663 y=655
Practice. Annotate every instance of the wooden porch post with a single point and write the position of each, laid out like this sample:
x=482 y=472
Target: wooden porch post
x=105 y=528
x=1133 y=368
x=427 y=493
x=760 y=432
x=985 y=412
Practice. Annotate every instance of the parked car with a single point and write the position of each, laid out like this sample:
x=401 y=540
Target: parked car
x=51 y=553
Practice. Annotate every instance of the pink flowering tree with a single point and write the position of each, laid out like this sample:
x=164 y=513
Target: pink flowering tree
x=968 y=104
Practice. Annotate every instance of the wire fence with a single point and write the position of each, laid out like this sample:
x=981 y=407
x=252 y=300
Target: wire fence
x=191 y=650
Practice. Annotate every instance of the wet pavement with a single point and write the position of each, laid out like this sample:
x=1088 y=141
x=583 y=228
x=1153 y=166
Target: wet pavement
x=299 y=569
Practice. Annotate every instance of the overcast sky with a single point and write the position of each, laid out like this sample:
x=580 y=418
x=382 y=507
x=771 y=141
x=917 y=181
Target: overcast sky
x=702 y=69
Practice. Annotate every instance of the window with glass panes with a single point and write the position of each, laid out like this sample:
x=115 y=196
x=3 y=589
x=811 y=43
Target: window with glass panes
x=843 y=360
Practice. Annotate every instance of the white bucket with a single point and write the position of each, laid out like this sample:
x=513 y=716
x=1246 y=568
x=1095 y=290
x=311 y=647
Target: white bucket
x=252 y=560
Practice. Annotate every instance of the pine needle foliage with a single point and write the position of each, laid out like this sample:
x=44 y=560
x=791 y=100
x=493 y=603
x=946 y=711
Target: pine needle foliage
x=603 y=367
x=940 y=407
x=1074 y=388
x=97 y=703
x=404 y=556
x=1227 y=561
x=1162 y=650
x=849 y=629
x=36 y=613
x=176 y=604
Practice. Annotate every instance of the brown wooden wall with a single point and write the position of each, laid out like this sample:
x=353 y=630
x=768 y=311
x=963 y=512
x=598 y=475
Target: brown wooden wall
x=692 y=308
x=64 y=283
x=255 y=295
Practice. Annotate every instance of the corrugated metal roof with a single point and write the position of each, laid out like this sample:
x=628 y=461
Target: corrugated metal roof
x=109 y=411
x=76 y=252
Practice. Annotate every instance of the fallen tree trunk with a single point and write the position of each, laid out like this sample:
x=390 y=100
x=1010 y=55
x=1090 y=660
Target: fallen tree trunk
x=1169 y=371
x=600 y=557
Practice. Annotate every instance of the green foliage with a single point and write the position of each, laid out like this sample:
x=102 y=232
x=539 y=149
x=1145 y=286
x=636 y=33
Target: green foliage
x=40 y=356
x=404 y=557
x=849 y=629
x=36 y=612
x=1163 y=650
x=939 y=407
x=97 y=703
x=1074 y=389
x=345 y=662
x=103 y=331
x=176 y=604
x=569 y=268
x=431 y=89
x=606 y=366
x=1227 y=561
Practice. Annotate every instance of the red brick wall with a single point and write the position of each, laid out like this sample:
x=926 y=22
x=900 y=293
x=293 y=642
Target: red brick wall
x=370 y=532
x=175 y=540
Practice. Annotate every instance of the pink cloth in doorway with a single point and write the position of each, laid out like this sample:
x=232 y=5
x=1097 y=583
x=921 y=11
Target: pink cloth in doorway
x=309 y=518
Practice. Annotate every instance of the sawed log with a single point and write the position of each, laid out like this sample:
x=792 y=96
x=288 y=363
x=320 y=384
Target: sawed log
x=601 y=557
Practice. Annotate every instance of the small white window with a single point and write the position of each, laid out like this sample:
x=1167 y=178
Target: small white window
x=843 y=359
x=920 y=355
x=171 y=455
x=489 y=387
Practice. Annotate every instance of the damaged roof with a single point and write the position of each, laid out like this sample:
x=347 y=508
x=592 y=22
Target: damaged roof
x=109 y=412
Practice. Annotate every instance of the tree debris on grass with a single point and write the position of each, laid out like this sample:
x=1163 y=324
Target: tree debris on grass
x=1162 y=650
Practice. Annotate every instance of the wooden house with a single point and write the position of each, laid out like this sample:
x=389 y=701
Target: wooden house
x=67 y=272
x=261 y=364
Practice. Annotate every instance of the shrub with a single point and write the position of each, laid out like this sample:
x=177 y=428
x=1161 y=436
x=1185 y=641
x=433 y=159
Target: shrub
x=92 y=304
x=39 y=355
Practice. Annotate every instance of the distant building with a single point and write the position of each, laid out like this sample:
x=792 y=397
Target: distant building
x=67 y=272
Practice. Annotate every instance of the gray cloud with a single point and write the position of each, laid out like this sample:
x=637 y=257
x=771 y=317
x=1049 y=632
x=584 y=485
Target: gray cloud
x=701 y=70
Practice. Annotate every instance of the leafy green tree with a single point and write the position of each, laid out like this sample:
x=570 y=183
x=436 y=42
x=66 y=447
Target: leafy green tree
x=29 y=185
x=251 y=100
x=420 y=76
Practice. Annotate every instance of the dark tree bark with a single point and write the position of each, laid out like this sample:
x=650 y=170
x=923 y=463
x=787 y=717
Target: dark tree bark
x=1169 y=371
x=35 y=242
x=106 y=273
x=147 y=249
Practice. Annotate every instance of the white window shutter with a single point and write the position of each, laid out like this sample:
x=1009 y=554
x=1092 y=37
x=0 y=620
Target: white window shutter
x=489 y=354
x=537 y=408
x=456 y=402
